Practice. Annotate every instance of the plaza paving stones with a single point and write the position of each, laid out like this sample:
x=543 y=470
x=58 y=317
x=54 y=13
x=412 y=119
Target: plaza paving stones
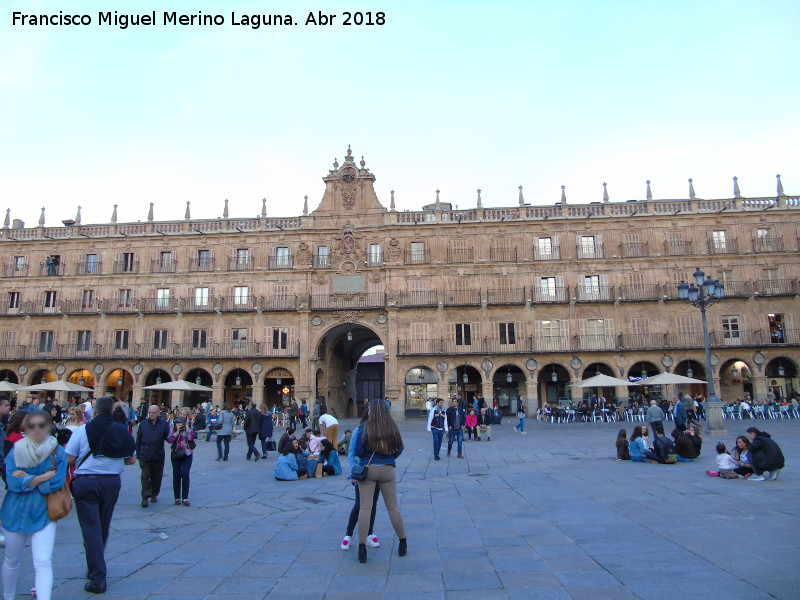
x=547 y=516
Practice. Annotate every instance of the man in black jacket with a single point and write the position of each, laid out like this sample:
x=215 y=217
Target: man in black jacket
x=456 y=419
x=150 y=438
x=252 y=428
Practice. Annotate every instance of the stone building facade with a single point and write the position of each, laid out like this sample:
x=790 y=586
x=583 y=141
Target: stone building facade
x=503 y=302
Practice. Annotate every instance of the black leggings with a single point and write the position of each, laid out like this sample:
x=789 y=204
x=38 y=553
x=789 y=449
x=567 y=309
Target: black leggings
x=351 y=523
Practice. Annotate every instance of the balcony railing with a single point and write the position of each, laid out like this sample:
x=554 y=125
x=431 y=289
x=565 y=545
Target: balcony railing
x=462 y=297
x=727 y=246
x=126 y=266
x=552 y=344
x=776 y=287
x=201 y=265
x=768 y=244
x=240 y=263
x=337 y=301
x=73 y=307
x=419 y=298
x=460 y=255
x=599 y=341
x=157 y=305
x=641 y=341
x=678 y=248
x=601 y=293
x=202 y=304
x=15 y=270
x=417 y=257
x=373 y=260
x=633 y=249
x=160 y=265
x=39 y=308
x=238 y=303
x=52 y=270
x=86 y=267
x=639 y=291
x=503 y=254
x=506 y=296
x=278 y=302
x=590 y=250
x=556 y=294
x=552 y=253
x=281 y=261
x=115 y=306
x=322 y=261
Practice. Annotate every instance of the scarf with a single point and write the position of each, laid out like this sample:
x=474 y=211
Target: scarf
x=28 y=454
x=109 y=439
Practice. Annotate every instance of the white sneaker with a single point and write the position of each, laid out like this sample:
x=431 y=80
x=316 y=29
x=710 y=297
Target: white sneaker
x=345 y=543
x=756 y=478
x=372 y=541
x=524 y=432
x=774 y=474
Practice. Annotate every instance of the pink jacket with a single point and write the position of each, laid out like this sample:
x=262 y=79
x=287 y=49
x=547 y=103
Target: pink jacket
x=472 y=421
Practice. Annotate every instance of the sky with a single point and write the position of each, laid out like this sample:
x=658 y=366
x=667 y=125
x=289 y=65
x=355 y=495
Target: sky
x=449 y=95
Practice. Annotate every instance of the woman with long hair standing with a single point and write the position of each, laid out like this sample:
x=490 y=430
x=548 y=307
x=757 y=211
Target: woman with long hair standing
x=36 y=467
x=377 y=448
x=182 y=439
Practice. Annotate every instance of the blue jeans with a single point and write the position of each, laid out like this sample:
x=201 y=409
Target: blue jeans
x=521 y=424
x=251 y=446
x=438 y=434
x=452 y=435
x=227 y=440
x=95 y=499
x=180 y=476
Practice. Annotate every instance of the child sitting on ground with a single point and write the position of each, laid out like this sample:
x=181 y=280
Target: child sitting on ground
x=725 y=464
x=623 y=453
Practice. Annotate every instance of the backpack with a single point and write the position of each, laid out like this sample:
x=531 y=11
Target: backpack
x=663 y=447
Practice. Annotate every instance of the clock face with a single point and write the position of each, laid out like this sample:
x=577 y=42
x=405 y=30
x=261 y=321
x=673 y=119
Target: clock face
x=61 y=369
x=138 y=368
x=23 y=369
x=99 y=368
x=667 y=361
x=217 y=368
x=257 y=368
x=531 y=364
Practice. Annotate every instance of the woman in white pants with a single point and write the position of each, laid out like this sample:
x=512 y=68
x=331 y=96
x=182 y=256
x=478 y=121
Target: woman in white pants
x=35 y=467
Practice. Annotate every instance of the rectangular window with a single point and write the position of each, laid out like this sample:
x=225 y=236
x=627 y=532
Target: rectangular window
x=121 y=339
x=160 y=337
x=770 y=274
x=507 y=334
x=162 y=297
x=280 y=338
x=588 y=246
x=199 y=340
x=92 y=263
x=775 y=322
x=591 y=285
x=165 y=259
x=13 y=300
x=731 y=333
x=417 y=252
x=240 y=295
x=323 y=256
x=83 y=340
x=595 y=327
x=239 y=338
x=87 y=299
x=375 y=254
x=463 y=334
x=282 y=257
x=719 y=240
x=45 y=341
x=547 y=286
x=50 y=299
x=551 y=329
x=242 y=257
x=201 y=296
x=19 y=264
x=544 y=248
x=762 y=234
x=204 y=259
x=125 y=298
x=128 y=262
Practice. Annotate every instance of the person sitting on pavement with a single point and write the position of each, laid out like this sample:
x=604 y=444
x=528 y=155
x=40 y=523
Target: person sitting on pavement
x=741 y=455
x=286 y=468
x=623 y=452
x=726 y=466
x=344 y=445
x=329 y=458
x=646 y=436
x=638 y=451
x=765 y=455
x=684 y=447
x=472 y=425
x=485 y=424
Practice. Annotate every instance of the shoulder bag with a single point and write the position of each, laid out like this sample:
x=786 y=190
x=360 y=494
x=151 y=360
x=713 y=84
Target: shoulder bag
x=59 y=503
x=271 y=445
x=359 y=471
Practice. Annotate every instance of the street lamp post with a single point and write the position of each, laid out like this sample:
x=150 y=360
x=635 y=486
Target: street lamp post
x=702 y=294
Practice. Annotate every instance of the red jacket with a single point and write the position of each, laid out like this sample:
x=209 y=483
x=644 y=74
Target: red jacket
x=472 y=421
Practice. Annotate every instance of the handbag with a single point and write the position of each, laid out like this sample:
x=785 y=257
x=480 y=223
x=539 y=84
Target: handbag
x=271 y=445
x=359 y=472
x=178 y=451
x=59 y=503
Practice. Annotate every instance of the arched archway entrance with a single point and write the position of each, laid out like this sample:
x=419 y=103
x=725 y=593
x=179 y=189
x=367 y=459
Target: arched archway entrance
x=278 y=387
x=509 y=384
x=158 y=397
x=644 y=393
x=42 y=376
x=421 y=385
x=781 y=375
x=598 y=368
x=338 y=355
x=466 y=381
x=8 y=376
x=238 y=388
x=200 y=377
x=691 y=368
x=553 y=380
x=735 y=380
x=119 y=384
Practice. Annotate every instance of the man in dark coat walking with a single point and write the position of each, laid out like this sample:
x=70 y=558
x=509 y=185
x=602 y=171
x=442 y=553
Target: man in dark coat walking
x=252 y=428
x=266 y=431
x=150 y=438
x=456 y=419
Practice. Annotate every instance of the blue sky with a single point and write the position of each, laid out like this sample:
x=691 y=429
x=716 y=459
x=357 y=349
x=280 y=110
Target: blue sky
x=447 y=95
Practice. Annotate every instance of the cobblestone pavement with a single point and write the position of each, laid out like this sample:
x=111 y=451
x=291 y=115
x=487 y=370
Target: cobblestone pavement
x=550 y=515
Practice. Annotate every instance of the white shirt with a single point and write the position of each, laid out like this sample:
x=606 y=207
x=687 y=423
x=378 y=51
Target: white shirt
x=78 y=446
x=328 y=420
